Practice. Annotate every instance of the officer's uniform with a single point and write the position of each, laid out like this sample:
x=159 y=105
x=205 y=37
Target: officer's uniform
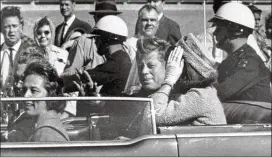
x=243 y=76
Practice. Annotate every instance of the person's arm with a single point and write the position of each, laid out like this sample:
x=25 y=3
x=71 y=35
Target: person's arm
x=184 y=108
x=105 y=73
x=240 y=79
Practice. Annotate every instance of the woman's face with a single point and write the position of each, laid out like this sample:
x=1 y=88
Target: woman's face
x=44 y=35
x=33 y=86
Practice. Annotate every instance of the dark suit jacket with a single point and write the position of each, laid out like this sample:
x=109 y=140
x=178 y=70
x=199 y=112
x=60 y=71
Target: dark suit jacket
x=168 y=30
x=77 y=24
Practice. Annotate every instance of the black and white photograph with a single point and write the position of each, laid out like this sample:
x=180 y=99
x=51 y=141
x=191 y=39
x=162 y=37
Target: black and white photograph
x=135 y=78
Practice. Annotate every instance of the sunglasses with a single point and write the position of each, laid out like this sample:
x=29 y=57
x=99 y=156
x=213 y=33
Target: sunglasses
x=45 y=32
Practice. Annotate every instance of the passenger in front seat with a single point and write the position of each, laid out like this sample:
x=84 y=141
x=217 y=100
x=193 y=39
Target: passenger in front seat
x=41 y=80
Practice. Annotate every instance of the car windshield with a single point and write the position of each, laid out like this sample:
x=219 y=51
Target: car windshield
x=103 y=118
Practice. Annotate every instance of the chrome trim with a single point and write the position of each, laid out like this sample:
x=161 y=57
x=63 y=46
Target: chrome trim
x=232 y=134
x=154 y=128
x=76 y=99
x=153 y=117
x=83 y=143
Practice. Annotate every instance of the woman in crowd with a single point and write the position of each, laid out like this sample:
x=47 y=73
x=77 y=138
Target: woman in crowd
x=44 y=35
x=57 y=57
x=41 y=80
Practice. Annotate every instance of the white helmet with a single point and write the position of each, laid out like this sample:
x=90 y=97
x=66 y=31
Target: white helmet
x=236 y=12
x=112 y=24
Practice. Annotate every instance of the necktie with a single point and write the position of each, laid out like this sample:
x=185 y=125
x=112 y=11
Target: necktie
x=63 y=32
x=11 y=57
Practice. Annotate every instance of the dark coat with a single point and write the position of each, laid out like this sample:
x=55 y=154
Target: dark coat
x=243 y=76
x=168 y=30
x=112 y=74
x=77 y=24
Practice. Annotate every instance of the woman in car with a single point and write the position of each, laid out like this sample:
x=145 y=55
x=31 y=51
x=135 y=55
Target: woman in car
x=41 y=80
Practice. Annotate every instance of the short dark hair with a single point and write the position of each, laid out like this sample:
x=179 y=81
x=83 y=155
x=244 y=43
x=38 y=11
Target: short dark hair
x=30 y=54
x=147 y=45
x=11 y=11
x=44 y=21
x=254 y=9
x=147 y=7
x=52 y=83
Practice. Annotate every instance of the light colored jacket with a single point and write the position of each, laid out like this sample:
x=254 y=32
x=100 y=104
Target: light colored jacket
x=199 y=106
x=49 y=128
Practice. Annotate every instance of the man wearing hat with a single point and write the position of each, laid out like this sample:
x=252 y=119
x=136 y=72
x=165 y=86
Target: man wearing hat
x=83 y=53
x=67 y=9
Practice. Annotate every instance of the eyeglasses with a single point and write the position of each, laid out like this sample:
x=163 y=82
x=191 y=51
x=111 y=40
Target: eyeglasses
x=45 y=32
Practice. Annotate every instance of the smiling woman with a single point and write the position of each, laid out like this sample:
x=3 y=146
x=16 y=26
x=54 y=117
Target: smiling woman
x=41 y=80
x=43 y=34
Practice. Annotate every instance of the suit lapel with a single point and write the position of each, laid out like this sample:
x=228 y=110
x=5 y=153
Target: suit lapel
x=73 y=25
x=161 y=32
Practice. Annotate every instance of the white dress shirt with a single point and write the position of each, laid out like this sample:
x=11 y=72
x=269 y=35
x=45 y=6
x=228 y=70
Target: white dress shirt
x=5 y=60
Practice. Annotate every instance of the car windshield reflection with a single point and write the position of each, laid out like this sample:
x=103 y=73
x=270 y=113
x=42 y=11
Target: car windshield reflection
x=103 y=118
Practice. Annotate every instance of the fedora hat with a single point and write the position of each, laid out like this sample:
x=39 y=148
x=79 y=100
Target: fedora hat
x=105 y=7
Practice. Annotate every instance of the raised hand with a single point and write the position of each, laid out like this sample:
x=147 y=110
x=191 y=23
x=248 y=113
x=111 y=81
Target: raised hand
x=174 y=66
x=85 y=84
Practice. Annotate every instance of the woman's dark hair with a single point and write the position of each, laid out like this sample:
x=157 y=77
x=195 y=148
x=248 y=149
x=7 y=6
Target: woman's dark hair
x=44 y=21
x=52 y=83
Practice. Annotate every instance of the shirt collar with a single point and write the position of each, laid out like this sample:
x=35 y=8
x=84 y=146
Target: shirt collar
x=70 y=20
x=160 y=16
x=15 y=47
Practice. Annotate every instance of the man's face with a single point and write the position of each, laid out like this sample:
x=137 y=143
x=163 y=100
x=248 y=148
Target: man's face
x=12 y=30
x=221 y=35
x=151 y=71
x=257 y=17
x=67 y=8
x=149 y=23
x=157 y=3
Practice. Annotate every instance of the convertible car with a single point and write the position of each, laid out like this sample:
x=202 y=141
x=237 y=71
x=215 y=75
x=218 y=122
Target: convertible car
x=127 y=127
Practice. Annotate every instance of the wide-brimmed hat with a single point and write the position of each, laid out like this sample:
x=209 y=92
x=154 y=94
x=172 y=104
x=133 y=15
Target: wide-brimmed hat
x=105 y=7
